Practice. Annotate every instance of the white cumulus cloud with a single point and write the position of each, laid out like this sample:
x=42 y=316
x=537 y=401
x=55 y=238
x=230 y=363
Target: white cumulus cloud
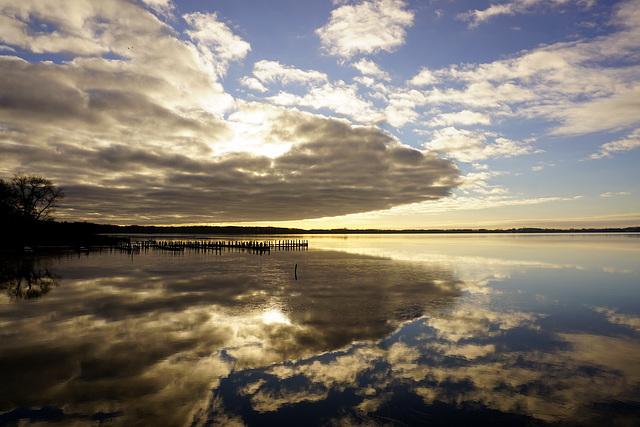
x=366 y=27
x=370 y=68
x=272 y=71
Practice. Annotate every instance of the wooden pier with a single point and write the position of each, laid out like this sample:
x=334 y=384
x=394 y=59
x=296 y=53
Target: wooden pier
x=214 y=245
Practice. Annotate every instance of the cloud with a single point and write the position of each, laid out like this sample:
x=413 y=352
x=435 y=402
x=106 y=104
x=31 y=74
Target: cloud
x=215 y=40
x=477 y=17
x=612 y=112
x=469 y=146
x=464 y=117
x=483 y=94
x=611 y=194
x=424 y=78
x=580 y=87
x=139 y=98
x=338 y=97
x=628 y=320
x=141 y=137
x=580 y=100
x=490 y=201
x=629 y=143
x=163 y=7
x=402 y=105
x=370 y=68
x=88 y=96
x=121 y=47
x=542 y=165
x=253 y=83
x=486 y=196
x=367 y=27
x=272 y=71
x=186 y=182
x=73 y=23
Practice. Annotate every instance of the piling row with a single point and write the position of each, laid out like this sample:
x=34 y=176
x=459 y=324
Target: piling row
x=180 y=245
x=128 y=246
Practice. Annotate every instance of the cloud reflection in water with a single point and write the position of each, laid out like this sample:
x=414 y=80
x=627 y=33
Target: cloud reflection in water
x=200 y=338
x=147 y=338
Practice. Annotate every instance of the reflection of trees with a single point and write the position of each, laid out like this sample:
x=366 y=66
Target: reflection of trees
x=25 y=279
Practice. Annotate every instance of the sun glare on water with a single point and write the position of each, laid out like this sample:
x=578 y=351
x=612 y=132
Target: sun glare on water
x=274 y=316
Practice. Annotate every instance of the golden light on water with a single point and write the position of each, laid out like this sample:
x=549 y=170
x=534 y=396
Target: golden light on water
x=274 y=316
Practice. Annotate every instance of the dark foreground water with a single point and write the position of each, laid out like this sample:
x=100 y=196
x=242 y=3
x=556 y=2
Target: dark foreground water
x=373 y=330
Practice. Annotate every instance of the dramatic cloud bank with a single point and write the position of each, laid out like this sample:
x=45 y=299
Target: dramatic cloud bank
x=315 y=178
x=134 y=128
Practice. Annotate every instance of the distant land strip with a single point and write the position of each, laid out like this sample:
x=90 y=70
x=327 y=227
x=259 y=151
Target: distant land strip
x=18 y=235
x=239 y=230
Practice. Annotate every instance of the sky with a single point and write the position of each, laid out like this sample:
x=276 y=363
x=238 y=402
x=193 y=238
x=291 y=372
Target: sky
x=327 y=114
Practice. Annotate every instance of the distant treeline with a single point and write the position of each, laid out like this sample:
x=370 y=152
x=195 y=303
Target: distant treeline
x=237 y=230
x=18 y=233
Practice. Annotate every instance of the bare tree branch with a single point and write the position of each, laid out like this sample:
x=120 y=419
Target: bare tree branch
x=33 y=196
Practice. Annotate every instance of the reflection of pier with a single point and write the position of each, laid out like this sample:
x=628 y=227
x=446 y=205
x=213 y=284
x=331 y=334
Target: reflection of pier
x=214 y=245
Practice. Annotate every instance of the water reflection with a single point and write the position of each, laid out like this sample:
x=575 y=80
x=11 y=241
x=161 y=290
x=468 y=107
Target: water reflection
x=145 y=341
x=376 y=334
x=26 y=278
x=467 y=367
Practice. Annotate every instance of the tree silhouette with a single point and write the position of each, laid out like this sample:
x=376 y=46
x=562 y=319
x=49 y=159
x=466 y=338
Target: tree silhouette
x=29 y=197
x=7 y=200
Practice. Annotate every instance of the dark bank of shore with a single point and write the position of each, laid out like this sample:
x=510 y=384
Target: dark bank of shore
x=18 y=234
x=235 y=230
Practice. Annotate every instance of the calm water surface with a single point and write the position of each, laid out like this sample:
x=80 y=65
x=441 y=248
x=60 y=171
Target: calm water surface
x=369 y=330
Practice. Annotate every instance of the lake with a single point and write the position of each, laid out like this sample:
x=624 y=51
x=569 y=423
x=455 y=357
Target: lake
x=356 y=330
